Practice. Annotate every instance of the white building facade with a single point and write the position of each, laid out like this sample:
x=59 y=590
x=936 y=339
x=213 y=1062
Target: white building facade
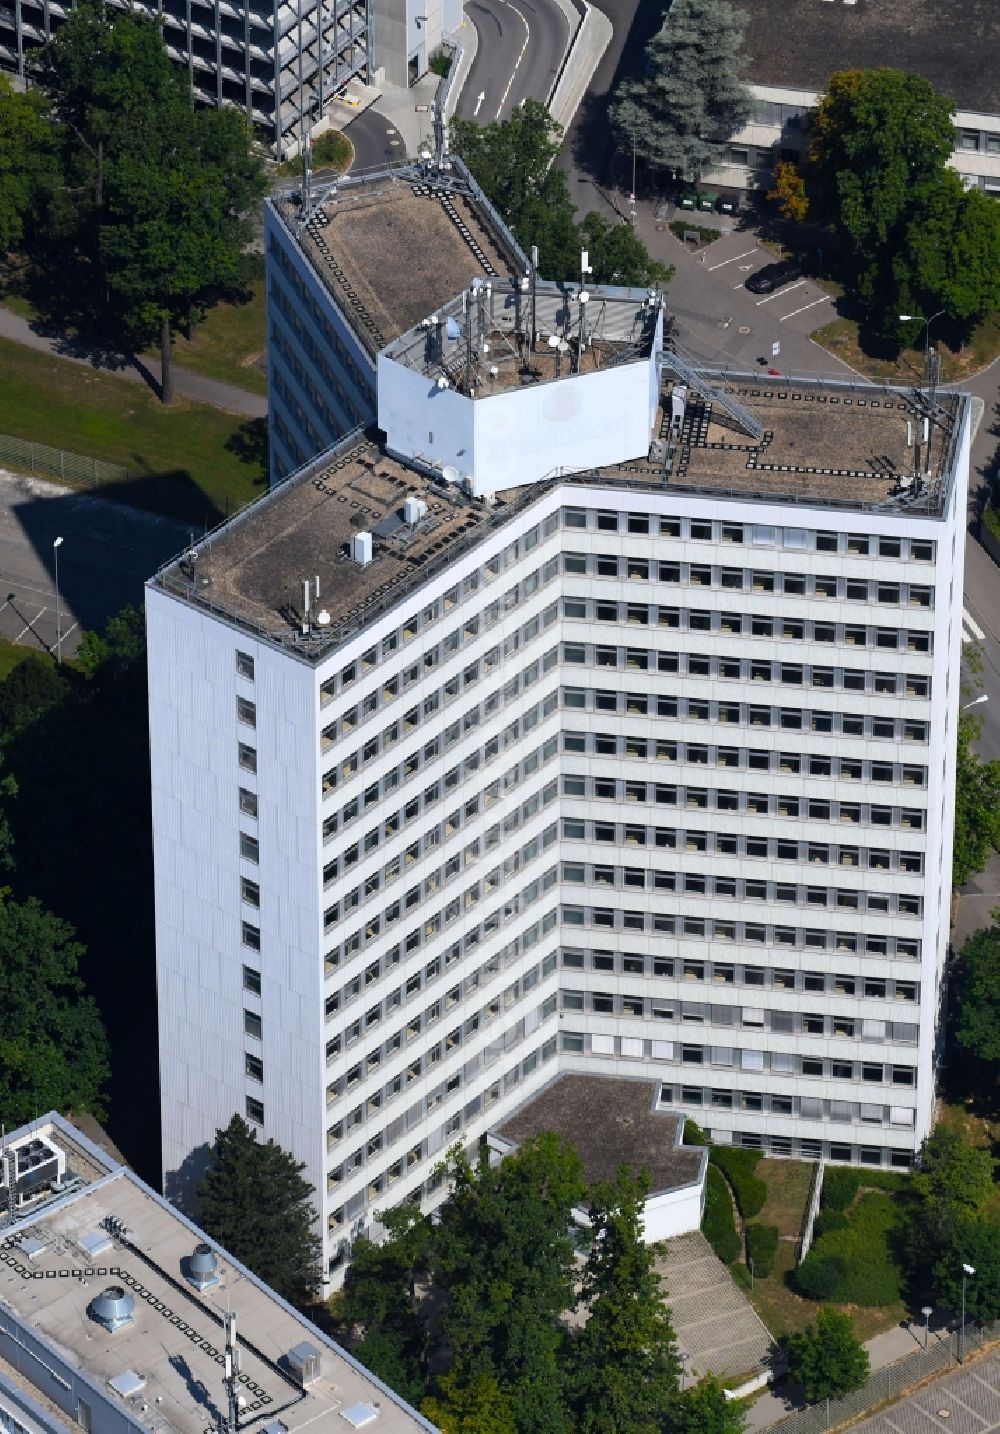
x=642 y=780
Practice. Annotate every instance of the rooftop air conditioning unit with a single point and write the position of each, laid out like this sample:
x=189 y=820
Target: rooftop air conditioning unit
x=361 y=548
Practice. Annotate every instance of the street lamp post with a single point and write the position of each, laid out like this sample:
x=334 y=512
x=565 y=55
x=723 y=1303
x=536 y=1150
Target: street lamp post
x=55 y=554
x=919 y=319
x=683 y=1357
x=926 y=1311
x=967 y=1270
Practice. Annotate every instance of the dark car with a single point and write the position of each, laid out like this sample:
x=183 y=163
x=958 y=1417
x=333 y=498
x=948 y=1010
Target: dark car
x=773 y=276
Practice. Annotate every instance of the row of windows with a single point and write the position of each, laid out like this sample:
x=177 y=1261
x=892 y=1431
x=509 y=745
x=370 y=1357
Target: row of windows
x=441 y=832
x=699 y=754
x=333 y=340
x=422 y=619
x=697 y=883
x=733 y=1058
x=515 y=905
x=757 y=535
x=745 y=624
x=355 y=1204
x=725 y=973
x=304 y=375
x=808 y=1107
x=700 y=1013
x=421 y=1066
x=445 y=736
x=746 y=714
x=748 y=580
x=291 y=401
x=722 y=799
x=728 y=843
x=286 y=439
x=794 y=674
x=606 y=918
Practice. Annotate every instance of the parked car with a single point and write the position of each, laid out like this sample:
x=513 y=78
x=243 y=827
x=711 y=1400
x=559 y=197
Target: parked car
x=773 y=276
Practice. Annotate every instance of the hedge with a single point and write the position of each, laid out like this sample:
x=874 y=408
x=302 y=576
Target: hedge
x=762 y=1246
x=693 y=1133
x=738 y=1166
x=828 y=1221
x=855 y=1264
x=717 y=1222
x=841 y=1183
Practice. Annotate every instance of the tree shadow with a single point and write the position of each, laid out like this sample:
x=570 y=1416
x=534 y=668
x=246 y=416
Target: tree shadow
x=249 y=443
x=180 y=1186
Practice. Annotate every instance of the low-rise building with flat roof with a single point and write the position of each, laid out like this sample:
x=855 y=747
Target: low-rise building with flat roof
x=120 y=1316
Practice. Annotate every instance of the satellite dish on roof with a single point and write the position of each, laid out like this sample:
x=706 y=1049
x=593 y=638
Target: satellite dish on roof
x=442 y=382
x=323 y=618
x=450 y=473
x=553 y=341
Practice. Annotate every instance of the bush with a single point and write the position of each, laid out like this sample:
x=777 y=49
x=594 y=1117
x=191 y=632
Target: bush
x=738 y=1166
x=991 y=519
x=840 y=1185
x=819 y=1276
x=440 y=63
x=332 y=151
x=717 y=1222
x=693 y=1133
x=762 y=1246
x=854 y=1263
x=827 y=1221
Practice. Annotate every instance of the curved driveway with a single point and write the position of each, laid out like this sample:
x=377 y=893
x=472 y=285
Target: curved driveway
x=521 y=46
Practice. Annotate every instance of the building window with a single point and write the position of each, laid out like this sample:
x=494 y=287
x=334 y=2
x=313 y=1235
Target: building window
x=244 y=665
x=249 y=848
x=251 y=980
x=255 y=1069
x=968 y=139
x=249 y=891
x=251 y=935
x=248 y=802
x=252 y=1024
x=248 y=757
x=246 y=712
x=255 y=1110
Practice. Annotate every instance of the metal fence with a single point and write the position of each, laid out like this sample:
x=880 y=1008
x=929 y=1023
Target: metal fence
x=886 y=1384
x=57 y=463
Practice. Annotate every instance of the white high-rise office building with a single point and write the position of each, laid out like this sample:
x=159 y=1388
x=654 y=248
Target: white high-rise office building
x=575 y=719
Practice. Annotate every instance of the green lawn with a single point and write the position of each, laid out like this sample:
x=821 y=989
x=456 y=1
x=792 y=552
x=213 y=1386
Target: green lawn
x=10 y=656
x=229 y=344
x=190 y=461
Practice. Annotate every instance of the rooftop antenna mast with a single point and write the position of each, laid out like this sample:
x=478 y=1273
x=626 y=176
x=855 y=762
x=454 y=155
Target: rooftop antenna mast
x=584 y=299
x=230 y=1425
x=307 y=173
x=533 y=336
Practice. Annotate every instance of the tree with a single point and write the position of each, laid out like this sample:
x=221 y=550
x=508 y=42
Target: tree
x=254 y=1201
x=879 y=139
x=504 y=1256
x=978 y=1028
x=379 y=1294
x=626 y=1364
x=680 y=113
x=789 y=191
x=950 y=253
x=826 y=1358
x=53 y=1049
x=704 y=1409
x=971 y=1241
x=27 y=160
x=977 y=804
x=953 y=1173
x=28 y=690
x=479 y=1407
x=618 y=256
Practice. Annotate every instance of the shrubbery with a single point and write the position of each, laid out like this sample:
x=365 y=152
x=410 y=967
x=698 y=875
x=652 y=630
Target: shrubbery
x=853 y=1263
x=762 y=1246
x=827 y=1221
x=717 y=1223
x=693 y=1133
x=841 y=1183
x=738 y=1166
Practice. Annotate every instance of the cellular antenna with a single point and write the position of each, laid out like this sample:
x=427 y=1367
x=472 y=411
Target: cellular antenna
x=230 y=1424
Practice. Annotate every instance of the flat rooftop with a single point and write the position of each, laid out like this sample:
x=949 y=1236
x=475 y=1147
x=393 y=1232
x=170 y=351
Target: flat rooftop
x=175 y=1341
x=828 y=445
x=611 y=1122
x=392 y=248
x=797 y=44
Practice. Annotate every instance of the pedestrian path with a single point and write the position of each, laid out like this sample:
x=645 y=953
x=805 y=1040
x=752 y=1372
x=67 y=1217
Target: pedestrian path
x=971 y=631
x=717 y=1328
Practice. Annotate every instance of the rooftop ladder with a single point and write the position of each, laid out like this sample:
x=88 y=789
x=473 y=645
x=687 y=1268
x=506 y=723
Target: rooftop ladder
x=683 y=366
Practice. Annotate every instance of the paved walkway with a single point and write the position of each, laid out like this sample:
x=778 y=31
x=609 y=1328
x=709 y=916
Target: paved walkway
x=716 y=1325
x=188 y=385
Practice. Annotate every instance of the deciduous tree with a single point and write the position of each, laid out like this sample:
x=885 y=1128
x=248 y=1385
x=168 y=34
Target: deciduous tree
x=254 y=1201
x=479 y=1407
x=975 y=1241
x=53 y=1048
x=978 y=1026
x=680 y=113
x=704 y=1409
x=953 y=1173
x=977 y=804
x=626 y=1364
x=618 y=255
x=827 y=1358
x=28 y=161
x=789 y=191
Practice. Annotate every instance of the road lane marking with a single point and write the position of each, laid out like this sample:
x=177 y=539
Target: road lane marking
x=969 y=624
x=824 y=300
x=722 y=265
x=517 y=62
x=780 y=293
x=482 y=96
x=30 y=626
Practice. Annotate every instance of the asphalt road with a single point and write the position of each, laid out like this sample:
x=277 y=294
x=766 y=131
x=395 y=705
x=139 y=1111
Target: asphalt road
x=521 y=46
x=107 y=553
x=375 y=139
